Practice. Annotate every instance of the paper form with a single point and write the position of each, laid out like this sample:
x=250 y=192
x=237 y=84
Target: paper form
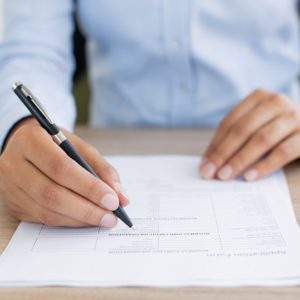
x=188 y=231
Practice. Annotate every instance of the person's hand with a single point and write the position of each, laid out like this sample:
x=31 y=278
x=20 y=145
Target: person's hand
x=40 y=183
x=259 y=136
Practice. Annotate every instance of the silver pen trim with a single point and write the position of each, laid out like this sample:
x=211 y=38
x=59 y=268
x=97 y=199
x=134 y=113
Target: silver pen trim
x=59 y=138
x=32 y=98
x=16 y=85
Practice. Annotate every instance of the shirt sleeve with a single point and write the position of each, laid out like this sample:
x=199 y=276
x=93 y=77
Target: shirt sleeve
x=37 y=50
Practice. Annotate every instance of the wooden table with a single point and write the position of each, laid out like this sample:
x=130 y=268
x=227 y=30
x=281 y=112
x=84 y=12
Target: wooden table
x=149 y=141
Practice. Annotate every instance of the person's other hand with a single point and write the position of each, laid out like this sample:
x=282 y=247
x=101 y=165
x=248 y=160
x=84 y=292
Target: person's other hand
x=259 y=136
x=40 y=183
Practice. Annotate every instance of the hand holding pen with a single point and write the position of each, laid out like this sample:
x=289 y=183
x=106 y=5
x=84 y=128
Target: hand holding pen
x=42 y=184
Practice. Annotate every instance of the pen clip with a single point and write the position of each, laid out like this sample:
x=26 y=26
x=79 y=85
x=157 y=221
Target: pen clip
x=33 y=99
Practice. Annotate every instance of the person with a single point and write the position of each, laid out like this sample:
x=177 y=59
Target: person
x=232 y=65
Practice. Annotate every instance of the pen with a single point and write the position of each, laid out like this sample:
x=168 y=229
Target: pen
x=39 y=113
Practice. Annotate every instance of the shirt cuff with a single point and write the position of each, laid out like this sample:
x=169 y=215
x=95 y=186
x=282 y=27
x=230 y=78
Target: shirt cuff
x=8 y=121
x=11 y=130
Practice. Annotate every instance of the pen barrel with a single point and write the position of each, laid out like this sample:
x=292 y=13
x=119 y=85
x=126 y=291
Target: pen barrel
x=72 y=152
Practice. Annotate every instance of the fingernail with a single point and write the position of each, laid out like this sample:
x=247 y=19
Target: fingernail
x=109 y=201
x=225 y=172
x=250 y=175
x=125 y=202
x=108 y=220
x=120 y=188
x=208 y=170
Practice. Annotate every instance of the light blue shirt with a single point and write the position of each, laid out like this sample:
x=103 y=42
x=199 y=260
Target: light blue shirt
x=151 y=62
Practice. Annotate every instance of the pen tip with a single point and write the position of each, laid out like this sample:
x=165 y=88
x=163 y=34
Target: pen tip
x=132 y=228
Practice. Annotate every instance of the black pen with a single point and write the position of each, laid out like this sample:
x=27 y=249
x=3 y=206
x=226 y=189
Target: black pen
x=37 y=110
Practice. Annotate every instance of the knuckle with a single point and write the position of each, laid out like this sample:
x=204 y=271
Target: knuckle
x=240 y=130
x=59 y=167
x=277 y=126
x=259 y=92
x=276 y=100
x=50 y=197
x=94 y=191
x=264 y=138
x=88 y=216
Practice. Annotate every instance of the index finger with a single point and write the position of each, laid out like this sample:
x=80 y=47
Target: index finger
x=57 y=165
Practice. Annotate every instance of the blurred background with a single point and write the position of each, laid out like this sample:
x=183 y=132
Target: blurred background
x=81 y=87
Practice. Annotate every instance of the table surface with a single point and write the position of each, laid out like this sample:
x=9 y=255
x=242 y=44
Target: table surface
x=149 y=141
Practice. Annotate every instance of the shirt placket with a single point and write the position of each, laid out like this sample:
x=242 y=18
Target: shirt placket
x=177 y=44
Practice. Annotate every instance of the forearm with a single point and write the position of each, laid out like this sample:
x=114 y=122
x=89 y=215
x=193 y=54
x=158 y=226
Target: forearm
x=37 y=50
